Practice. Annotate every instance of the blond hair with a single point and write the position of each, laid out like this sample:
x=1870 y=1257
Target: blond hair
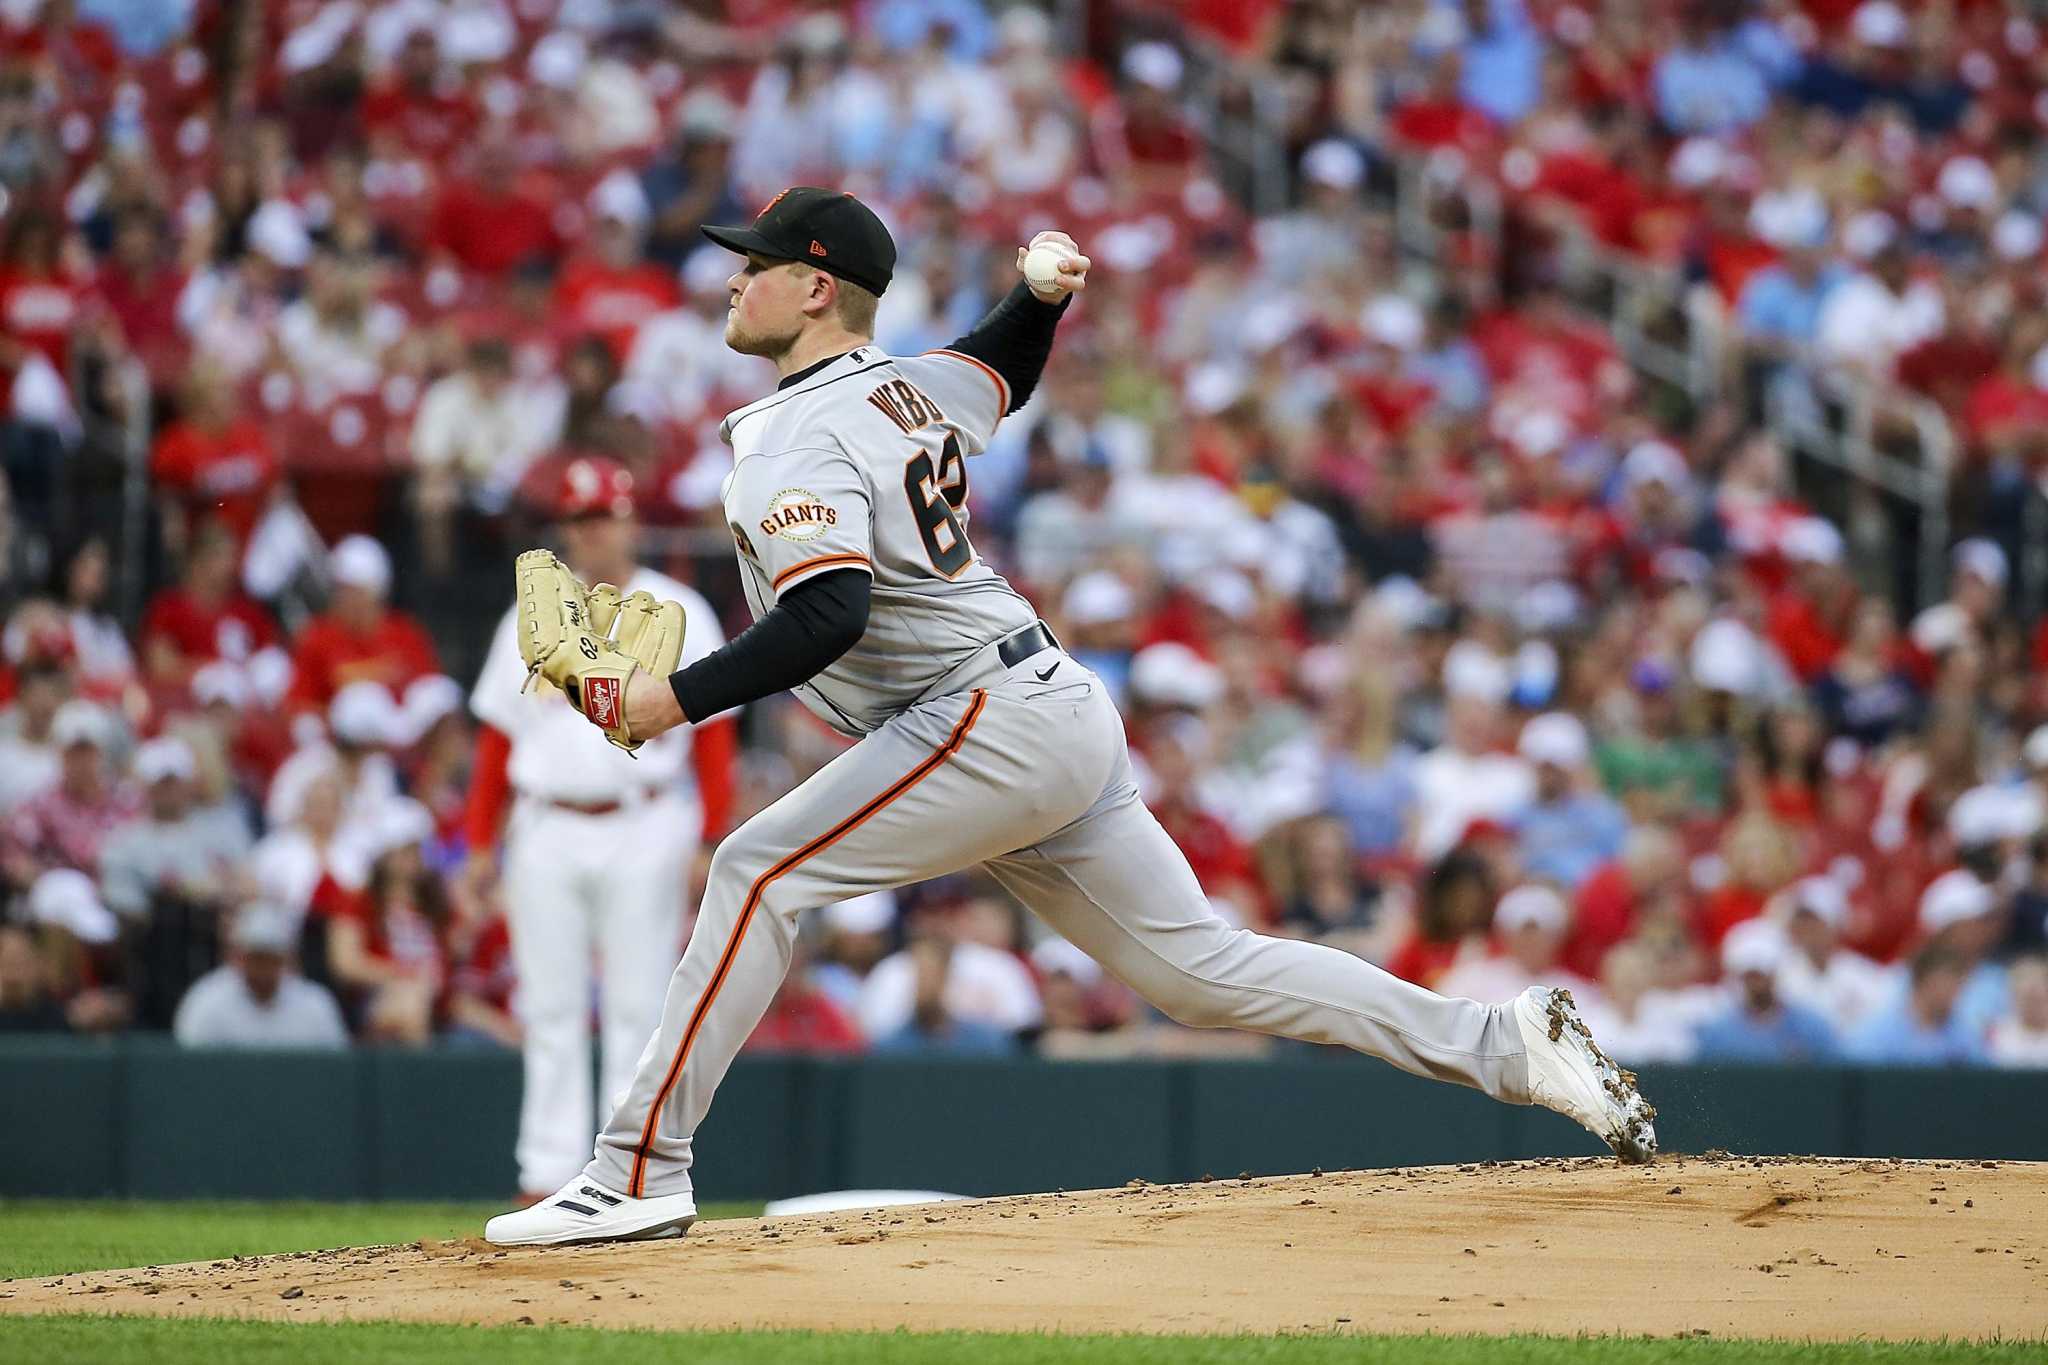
x=854 y=306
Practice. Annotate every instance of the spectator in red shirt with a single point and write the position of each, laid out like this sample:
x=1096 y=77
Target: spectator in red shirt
x=1453 y=914
x=802 y=1018
x=422 y=106
x=1221 y=863
x=613 y=290
x=1812 y=614
x=360 y=637
x=1646 y=882
x=40 y=300
x=1142 y=136
x=481 y=986
x=139 y=288
x=205 y=617
x=494 y=221
x=1439 y=116
x=1760 y=858
x=387 y=943
x=213 y=462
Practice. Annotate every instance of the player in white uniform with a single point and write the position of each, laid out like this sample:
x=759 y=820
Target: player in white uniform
x=981 y=741
x=598 y=847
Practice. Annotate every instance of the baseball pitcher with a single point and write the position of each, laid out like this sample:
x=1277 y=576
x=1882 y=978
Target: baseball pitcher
x=980 y=740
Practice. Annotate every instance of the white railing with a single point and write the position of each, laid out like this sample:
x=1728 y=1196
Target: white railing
x=1635 y=294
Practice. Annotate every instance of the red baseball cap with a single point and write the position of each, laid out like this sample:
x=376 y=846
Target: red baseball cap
x=594 y=484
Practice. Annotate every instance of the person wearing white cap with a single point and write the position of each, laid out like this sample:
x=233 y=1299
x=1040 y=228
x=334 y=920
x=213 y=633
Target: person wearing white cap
x=1142 y=136
x=1837 y=983
x=362 y=726
x=388 y=925
x=1465 y=778
x=1572 y=826
x=360 y=637
x=1169 y=676
x=611 y=289
x=65 y=898
x=1780 y=304
x=1962 y=914
x=256 y=999
x=1098 y=623
x=1871 y=319
x=67 y=824
x=1759 y=1025
x=1529 y=927
x=1980 y=573
x=857 y=933
x=1808 y=618
x=170 y=872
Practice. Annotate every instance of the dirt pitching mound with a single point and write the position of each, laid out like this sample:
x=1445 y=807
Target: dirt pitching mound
x=1731 y=1247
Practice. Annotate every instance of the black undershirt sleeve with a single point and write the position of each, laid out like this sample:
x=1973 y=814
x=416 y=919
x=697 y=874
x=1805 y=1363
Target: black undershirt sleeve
x=1015 y=339
x=805 y=631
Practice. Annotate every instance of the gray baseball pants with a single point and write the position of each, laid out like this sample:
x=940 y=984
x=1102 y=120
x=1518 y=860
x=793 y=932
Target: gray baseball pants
x=1031 y=779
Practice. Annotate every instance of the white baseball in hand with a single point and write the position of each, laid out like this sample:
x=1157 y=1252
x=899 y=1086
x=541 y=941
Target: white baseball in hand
x=1042 y=268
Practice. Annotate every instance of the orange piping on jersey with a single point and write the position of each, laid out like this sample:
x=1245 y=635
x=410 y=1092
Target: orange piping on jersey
x=849 y=558
x=1002 y=388
x=637 y=1184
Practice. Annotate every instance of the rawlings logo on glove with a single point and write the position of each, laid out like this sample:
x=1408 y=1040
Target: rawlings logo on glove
x=588 y=641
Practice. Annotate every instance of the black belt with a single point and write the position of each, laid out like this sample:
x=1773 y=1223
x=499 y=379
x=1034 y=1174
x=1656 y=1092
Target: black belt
x=1029 y=641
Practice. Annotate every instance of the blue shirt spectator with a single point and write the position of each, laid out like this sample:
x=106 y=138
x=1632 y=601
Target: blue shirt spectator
x=1572 y=826
x=1563 y=841
x=142 y=27
x=1758 y=1025
x=1786 y=1033
x=1503 y=61
x=948 y=1038
x=1926 y=1028
x=1374 y=800
x=1779 y=305
x=1707 y=85
x=970 y=33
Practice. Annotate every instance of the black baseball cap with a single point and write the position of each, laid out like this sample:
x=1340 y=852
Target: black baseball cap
x=826 y=228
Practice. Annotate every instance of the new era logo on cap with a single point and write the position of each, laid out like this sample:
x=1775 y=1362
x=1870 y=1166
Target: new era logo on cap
x=817 y=247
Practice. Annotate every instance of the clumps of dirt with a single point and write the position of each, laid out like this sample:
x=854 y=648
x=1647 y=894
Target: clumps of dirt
x=457 y=1247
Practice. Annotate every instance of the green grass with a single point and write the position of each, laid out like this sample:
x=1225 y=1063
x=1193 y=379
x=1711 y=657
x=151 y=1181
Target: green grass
x=55 y=1237
x=173 y=1341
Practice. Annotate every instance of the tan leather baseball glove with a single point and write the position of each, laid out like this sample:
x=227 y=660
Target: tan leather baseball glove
x=588 y=641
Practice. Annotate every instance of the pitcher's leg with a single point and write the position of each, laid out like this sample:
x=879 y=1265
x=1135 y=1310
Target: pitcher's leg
x=941 y=787
x=1118 y=888
x=550 y=930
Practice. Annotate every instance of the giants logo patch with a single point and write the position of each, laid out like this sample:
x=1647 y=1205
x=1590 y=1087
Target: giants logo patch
x=601 y=701
x=798 y=514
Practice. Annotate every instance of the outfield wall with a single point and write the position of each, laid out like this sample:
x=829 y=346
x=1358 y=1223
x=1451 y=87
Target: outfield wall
x=139 y=1117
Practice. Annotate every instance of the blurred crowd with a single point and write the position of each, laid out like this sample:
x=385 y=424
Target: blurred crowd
x=1442 y=637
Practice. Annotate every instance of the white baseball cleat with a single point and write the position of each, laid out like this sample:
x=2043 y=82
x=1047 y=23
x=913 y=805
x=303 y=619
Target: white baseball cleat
x=1569 y=1073
x=585 y=1211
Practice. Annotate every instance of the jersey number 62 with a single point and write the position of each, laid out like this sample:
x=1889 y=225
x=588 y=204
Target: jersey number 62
x=937 y=499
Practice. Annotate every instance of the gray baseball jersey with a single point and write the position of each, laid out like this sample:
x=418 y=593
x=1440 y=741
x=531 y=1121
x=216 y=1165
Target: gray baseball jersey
x=964 y=759
x=863 y=464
